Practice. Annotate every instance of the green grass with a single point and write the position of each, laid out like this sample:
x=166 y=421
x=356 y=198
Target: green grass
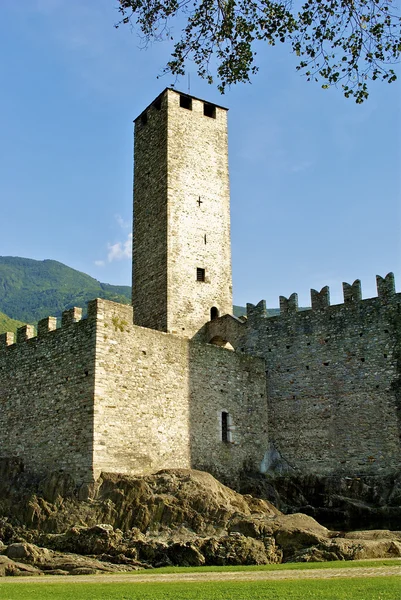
x=335 y=564
x=375 y=588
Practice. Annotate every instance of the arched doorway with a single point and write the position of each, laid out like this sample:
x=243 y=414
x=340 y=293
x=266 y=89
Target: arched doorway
x=214 y=313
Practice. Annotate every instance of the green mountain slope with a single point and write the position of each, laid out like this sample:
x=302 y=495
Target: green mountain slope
x=7 y=324
x=31 y=290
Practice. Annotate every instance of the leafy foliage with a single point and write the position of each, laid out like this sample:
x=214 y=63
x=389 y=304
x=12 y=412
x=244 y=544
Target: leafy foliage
x=31 y=290
x=338 y=42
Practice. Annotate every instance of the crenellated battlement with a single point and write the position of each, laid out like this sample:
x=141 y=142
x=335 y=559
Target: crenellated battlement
x=258 y=310
x=288 y=305
x=69 y=317
x=332 y=375
x=46 y=325
x=352 y=294
x=320 y=300
x=385 y=286
x=7 y=339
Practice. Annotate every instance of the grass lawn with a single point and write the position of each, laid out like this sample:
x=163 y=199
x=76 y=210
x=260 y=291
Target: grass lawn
x=343 y=588
x=375 y=588
x=335 y=564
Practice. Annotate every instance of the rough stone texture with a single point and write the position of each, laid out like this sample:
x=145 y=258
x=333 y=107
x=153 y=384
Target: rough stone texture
x=178 y=517
x=333 y=380
x=159 y=399
x=105 y=395
x=46 y=399
x=181 y=215
x=336 y=501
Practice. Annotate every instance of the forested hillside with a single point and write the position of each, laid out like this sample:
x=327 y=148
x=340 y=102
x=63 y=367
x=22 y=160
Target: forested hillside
x=31 y=290
x=7 y=324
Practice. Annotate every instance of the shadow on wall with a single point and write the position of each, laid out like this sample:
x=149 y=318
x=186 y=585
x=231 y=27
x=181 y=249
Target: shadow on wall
x=227 y=410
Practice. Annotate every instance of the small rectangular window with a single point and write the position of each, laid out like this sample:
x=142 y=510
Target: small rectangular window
x=225 y=434
x=144 y=118
x=157 y=103
x=200 y=274
x=209 y=110
x=186 y=102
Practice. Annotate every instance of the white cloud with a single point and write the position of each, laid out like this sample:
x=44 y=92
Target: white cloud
x=120 y=250
x=121 y=222
x=99 y=263
x=302 y=166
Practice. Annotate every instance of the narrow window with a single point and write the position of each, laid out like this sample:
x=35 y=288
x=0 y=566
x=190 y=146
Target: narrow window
x=214 y=313
x=205 y=238
x=144 y=118
x=224 y=427
x=200 y=274
x=157 y=103
x=209 y=110
x=186 y=102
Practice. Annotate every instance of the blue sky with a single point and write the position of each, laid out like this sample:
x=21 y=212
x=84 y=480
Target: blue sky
x=315 y=179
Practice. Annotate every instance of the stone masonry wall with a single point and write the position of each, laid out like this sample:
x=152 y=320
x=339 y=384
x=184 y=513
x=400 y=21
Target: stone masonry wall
x=181 y=215
x=199 y=214
x=159 y=398
x=333 y=377
x=46 y=396
x=149 y=267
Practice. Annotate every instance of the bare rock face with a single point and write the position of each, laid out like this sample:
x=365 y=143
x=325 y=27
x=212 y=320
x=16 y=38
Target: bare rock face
x=339 y=502
x=174 y=517
x=11 y=567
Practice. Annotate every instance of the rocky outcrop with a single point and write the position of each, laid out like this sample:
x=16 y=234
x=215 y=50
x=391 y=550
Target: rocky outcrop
x=338 y=502
x=175 y=517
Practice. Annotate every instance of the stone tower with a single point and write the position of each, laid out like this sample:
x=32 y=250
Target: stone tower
x=181 y=240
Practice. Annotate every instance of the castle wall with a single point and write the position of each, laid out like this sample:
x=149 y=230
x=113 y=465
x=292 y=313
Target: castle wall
x=159 y=399
x=222 y=380
x=333 y=379
x=46 y=396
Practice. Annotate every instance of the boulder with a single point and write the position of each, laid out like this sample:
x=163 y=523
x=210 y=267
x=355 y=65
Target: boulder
x=185 y=555
x=296 y=532
x=236 y=549
x=27 y=553
x=10 y=567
